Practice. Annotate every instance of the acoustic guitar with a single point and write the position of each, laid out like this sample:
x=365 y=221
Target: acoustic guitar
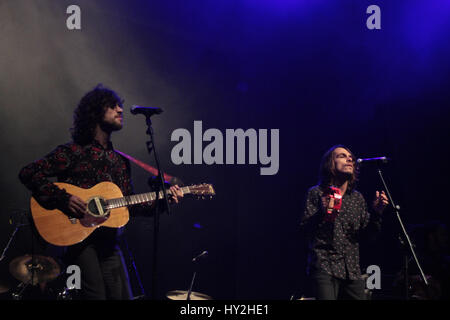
x=106 y=207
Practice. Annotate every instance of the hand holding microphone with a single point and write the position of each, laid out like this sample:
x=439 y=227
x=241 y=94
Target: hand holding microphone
x=327 y=203
x=332 y=203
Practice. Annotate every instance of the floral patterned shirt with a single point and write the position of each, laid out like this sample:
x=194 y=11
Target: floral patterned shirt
x=83 y=166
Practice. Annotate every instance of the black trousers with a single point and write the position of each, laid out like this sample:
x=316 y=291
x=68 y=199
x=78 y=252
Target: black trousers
x=103 y=276
x=327 y=287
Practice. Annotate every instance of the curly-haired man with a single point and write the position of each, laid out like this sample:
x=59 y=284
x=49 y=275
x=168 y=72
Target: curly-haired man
x=86 y=161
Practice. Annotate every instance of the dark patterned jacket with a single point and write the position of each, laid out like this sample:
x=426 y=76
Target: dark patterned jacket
x=334 y=246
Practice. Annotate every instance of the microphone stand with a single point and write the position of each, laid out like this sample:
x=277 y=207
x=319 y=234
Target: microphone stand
x=18 y=224
x=190 y=287
x=405 y=241
x=194 y=261
x=160 y=186
x=9 y=242
x=136 y=273
x=17 y=294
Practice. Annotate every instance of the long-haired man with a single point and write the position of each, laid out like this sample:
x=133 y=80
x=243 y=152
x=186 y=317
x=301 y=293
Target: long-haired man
x=334 y=216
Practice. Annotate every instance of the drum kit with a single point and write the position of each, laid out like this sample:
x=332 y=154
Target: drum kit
x=183 y=295
x=32 y=276
x=189 y=294
x=39 y=278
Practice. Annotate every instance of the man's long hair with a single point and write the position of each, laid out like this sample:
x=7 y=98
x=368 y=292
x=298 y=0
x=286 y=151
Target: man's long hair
x=90 y=112
x=327 y=172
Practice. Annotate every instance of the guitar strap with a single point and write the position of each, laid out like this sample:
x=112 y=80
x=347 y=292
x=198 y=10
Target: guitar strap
x=144 y=166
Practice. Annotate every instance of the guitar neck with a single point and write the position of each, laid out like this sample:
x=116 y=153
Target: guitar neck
x=139 y=198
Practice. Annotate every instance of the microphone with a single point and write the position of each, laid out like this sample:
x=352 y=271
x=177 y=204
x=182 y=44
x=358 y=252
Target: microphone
x=203 y=254
x=146 y=111
x=377 y=160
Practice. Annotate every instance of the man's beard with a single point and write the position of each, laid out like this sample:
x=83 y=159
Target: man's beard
x=110 y=127
x=343 y=176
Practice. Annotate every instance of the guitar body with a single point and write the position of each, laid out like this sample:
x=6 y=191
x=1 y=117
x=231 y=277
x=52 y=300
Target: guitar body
x=58 y=229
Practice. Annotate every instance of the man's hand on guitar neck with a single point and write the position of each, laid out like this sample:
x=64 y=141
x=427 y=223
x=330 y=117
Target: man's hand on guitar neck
x=77 y=207
x=176 y=194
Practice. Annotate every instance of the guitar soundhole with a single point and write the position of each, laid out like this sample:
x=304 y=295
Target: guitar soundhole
x=97 y=207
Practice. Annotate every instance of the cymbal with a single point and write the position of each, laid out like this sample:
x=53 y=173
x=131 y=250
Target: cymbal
x=44 y=269
x=182 y=295
x=307 y=298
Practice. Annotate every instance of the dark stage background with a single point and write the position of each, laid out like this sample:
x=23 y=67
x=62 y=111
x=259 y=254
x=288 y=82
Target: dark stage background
x=311 y=69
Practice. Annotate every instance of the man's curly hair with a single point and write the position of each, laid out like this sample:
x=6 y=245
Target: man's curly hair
x=90 y=112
